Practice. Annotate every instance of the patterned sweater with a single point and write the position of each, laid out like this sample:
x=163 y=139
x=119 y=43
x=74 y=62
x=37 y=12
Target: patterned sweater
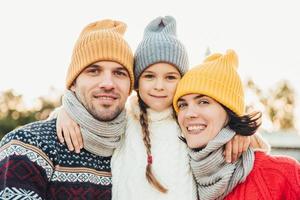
x=34 y=165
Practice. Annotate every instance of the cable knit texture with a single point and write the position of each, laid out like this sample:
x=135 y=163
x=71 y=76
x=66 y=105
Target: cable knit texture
x=170 y=160
x=272 y=177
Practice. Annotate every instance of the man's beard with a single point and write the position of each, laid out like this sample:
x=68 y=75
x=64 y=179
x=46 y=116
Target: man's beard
x=103 y=115
x=100 y=114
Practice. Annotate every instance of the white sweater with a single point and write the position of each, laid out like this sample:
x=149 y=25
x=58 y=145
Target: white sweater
x=170 y=160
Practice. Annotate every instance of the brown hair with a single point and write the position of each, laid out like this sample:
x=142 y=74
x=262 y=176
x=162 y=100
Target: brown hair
x=146 y=139
x=245 y=125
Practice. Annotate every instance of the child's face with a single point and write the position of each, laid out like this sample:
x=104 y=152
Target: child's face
x=200 y=118
x=157 y=85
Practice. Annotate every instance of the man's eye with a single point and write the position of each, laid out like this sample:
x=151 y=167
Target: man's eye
x=92 y=71
x=121 y=73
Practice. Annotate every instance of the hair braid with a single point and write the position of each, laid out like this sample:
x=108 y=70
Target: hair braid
x=146 y=139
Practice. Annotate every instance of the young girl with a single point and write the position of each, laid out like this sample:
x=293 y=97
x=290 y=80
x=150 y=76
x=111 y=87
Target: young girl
x=209 y=102
x=153 y=163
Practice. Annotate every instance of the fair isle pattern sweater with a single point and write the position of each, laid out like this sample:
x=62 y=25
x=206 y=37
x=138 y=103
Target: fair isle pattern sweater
x=170 y=160
x=34 y=165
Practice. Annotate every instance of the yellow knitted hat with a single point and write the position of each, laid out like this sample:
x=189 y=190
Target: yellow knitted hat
x=100 y=41
x=217 y=78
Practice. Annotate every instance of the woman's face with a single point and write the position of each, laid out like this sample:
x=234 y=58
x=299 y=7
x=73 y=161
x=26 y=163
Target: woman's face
x=157 y=85
x=200 y=118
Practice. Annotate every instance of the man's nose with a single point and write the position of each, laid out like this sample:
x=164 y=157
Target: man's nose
x=106 y=81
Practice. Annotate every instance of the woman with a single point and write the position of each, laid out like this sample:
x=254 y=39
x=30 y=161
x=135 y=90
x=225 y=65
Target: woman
x=209 y=101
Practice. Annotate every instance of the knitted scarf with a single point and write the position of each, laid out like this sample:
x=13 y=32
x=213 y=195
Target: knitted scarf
x=215 y=178
x=100 y=138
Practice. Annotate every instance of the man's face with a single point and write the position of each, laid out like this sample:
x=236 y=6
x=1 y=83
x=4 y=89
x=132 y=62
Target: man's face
x=103 y=89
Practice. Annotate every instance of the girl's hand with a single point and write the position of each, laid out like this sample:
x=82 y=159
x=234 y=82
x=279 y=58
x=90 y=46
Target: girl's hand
x=235 y=147
x=68 y=131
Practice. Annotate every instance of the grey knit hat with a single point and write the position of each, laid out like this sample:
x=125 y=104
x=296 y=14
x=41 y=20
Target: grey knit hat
x=160 y=44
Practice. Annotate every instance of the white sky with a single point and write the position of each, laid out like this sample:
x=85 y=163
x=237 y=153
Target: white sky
x=37 y=37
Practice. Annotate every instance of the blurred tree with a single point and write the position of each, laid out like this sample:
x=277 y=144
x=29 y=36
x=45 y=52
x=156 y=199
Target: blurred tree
x=14 y=114
x=279 y=104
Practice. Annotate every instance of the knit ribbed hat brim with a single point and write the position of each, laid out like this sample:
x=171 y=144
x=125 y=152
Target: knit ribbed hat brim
x=217 y=78
x=100 y=41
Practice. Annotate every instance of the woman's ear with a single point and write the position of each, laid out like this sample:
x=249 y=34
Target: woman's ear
x=227 y=120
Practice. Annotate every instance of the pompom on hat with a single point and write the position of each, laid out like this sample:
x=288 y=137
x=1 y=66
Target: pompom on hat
x=100 y=41
x=217 y=78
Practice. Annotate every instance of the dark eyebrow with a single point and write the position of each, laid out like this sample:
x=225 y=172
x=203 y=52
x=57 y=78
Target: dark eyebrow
x=173 y=73
x=148 y=71
x=121 y=68
x=199 y=96
x=99 y=66
x=180 y=99
x=93 y=66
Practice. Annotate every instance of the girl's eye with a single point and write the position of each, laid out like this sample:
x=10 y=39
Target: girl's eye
x=171 y=78
x=148 y=76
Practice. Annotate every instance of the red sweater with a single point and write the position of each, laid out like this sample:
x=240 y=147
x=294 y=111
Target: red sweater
x=272 y=177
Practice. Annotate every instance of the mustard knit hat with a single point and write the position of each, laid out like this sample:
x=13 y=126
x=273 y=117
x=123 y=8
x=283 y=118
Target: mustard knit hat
x=100 y=41
x=217 y=78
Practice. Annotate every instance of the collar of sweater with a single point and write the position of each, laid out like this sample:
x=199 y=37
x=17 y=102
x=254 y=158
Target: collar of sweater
x=153 y=116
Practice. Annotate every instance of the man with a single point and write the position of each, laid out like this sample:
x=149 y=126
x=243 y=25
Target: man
x=34 y=165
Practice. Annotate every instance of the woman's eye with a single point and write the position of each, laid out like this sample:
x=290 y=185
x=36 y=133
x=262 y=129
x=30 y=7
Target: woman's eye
x=181 y=105
x=203 y=102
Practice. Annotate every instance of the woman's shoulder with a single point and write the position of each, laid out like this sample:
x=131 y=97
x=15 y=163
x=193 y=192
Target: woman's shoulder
x=280 y=170
x=272 y=177
x=264 y=160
